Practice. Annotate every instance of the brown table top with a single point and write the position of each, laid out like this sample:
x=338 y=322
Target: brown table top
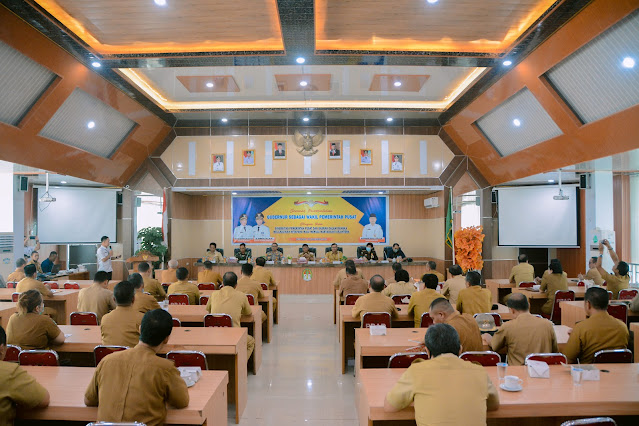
x=196 y=313
x=6 y=293
x=346 y=313
x=580 y=292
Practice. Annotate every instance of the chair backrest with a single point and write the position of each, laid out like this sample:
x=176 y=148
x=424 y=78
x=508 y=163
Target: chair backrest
x=404 y=360
x=613 y=356
x=71 y=286
x=350 y=299
x=52 y=284
x=101 y=351
x=188 y=359
x=311 y=249
x=206 y=286
x=12 y=284
x=427 y=321
x=83 y=318
x=619 y=311
x=526 y=284
x=560 y=296
x=581 y=284
x=177 y=322
x=327 y=249
x=204 y=300
x=376 y=318
x=610 y=295
x=165 y=286
x=178 y=299
x=264 y=286
x=218 y=320
x=360 y=249
x=485 y=358
x=387 y=251
x=251 y=299
x=46 y=358
x=399 y=297
x=12 y=353
x=495 y=315
x=548 y=358
x=594 y=421
x=15 y=297
x=248 y=250
x=627 y=294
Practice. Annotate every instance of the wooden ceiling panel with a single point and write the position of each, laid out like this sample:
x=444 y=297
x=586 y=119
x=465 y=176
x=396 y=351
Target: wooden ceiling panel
x=397 y=83
x=208 y=84
x=303 y=82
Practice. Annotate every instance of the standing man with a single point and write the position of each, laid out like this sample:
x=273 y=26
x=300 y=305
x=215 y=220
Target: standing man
x=523 y=272
x=261 y=231
x=105 y=256
x=34 y=261
x=372 y=230
x=97 y=298
x=619 y=279
x=28 y=249
x=49 y=263
x=474 y=299
x=18 y=274
x=243 y=231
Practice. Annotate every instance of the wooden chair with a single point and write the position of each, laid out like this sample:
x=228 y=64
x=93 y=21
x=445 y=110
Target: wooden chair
x=251 y=299
x=376 y=318
x=495 y=316
x=218 y=320
x=52 y=284
x=204 y=300
x=595 y=421
x=178 y=299
x=526 y=284
x=15 y=297
x=399 y=297
x=83 y=318
x=177 y=322
x=188 y=359
x=350 y=299
x=404 y=360
x=12 y=353
x=613 y=356
x=427 y=321
x=46 y=358
x=101 y=351
x=264 y=286
x=71 y=286
x=206 y=286
x=484 y=358
x=548 y=358
x=12 y=284
x=560 y=296
x=619 y=311
x=627 y=294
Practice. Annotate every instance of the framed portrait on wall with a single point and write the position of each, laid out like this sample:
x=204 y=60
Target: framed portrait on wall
x=365 y=157
x=279 y=150
x=397 y=162
x=248 y=157
x=217 y=161
x=334 y=150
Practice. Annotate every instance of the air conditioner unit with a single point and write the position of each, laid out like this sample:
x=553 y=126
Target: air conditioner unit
x=431 y=203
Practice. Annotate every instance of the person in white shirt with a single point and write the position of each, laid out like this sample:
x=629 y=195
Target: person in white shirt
x=30 y=249
x=372 y=230
x=260 y=231
x=243 y=231
x=218 y=164
x=396 y=165
x=105 y=256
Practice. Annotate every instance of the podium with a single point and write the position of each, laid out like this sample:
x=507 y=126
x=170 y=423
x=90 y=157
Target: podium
x=143 y=256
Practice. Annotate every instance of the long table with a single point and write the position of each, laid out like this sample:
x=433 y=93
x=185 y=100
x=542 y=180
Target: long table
x=538 y=298
x=63 y=301
x=67 y=385
x=501 y=287
x=616 y=394
x=224 y=347
x=573 y=312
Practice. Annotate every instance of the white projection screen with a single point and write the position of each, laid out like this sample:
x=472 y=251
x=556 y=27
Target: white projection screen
x=530 y=217
x=79 y=215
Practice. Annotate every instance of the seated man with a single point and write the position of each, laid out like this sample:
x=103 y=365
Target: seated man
x=143 y=302
x=593 y=273
x=396 y=253
x=369 y=254
x=420 y=300
x=619 y=279
x=168 y=276
x=18 y=274
x=249 y=286
x=34 y=261
x=30 y=283
x=474 y=299
x=182 y=286
x=136 y=384
x=441 y=311
x=454 y=285
x=121 y=327
x=151 y=285
x=375 y=301
x=445 y=389
x=522 y=272
x=49 y=263
x=341 y=274
x=243 y=254
x=395 y=267
x=431 y=268
x=523 y=335
x=97 y=298
x=263 y=275
x=353 y=283
x=18 y=387
x=599 y=331
x=232 y=302
x=334 y=255
x=402 y=285
x=208 y=275
x=307 y=254
x=275 y=255
x=212 y=255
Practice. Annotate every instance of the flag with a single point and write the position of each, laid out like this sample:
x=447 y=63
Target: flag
x=165 y=220
x=449 y=221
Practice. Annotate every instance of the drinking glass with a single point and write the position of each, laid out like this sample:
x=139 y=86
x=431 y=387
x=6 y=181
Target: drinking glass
x=577 y=374
x=501 y=370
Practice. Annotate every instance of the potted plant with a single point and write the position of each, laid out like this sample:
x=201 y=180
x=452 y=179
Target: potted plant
x=152 y=241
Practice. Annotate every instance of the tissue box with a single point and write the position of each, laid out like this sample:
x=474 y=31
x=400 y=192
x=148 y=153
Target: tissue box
x=190 y=375
x=590 y=372
x=538 y=369
x=378 y=330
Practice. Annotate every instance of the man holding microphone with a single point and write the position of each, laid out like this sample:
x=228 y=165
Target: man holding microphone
x=105 y=256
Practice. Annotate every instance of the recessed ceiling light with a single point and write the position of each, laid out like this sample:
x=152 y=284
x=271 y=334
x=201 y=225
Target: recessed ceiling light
x=160 y=2
x=224 y=120
x=397 y=84
x=96 y=64
x=91 y=124
x=300 y=60
x=63 y=181
x=551 y=181
x=209 y=84
x=507 y=63
x=432 y=1
x=305 y=119
x=303 y=83
x=517 y=122
x=233 y=193
x=308 y=193
x=628 y=62
x=389 y=119
x=380 y=192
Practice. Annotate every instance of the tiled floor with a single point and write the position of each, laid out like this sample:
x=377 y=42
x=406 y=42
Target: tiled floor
x=300 y=381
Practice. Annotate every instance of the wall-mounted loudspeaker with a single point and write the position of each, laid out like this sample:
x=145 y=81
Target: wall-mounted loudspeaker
x=493 y=197
x=584 y=181
x=23 y=183
x=119 y=197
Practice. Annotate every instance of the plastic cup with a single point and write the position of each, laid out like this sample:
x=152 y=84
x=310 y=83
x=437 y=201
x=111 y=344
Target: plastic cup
x=501 y=370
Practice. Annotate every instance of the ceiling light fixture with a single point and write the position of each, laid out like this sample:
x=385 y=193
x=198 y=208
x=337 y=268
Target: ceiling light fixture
x=160 y=2
x=209 y=84
x=628 y=62
x=224 y=120
x=305 y=119
x=389 y=119
x=303 y=83
x=233 y=193
x=300 y=60
x=551 y=181
x=63 y=181
x=507 y=63
x=517 y=122
x=96 y=64
x=380 y=192
x=91 y=124
x=397 y=84
x=432 y=1
x=308 y=193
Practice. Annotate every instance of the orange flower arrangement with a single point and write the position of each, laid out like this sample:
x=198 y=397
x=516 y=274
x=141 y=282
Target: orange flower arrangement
x=468 y=242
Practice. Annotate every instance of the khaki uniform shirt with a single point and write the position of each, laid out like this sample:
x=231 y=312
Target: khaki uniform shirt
x=153 y=287
x=474 y=300
x=231 y=302
x=249 y=286
x=26 y=284
x=209 y=276
x=600 y=331
x=374 y=302
x=550 y=283
x=18 y=388
x=452 y=287
x=168 y=276
x=341 y=276
x=37 y=265
x=185 y=287
x=121 y=327
x=593 y=274
x=439 y=275
x=96 y=299
x=334 y=257
x=468 y=330
x=523 y=336
x=353 y=285
x=136 y=385
x=31 y=331
x=213 y=257
x=446 y=390
x=397 y=288
x=308 y=256
x=144 y=302
x=522 y=273
x=16 y=275
x=616 y=283
x=420 y=303
x=263 y=275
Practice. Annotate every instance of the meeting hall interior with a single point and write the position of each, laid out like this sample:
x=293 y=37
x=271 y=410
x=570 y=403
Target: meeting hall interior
x=319 y=212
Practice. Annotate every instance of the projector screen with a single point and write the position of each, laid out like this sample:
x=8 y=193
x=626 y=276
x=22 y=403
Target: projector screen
x=530 y=217
x=79 y=215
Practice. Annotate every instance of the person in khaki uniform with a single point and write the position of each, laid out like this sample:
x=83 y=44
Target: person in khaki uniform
x=184 y=287
x=136 y=384
x=597 y=332
x=232 y=302
x=212 y=255
x=249 y=286
x=168 y=276
x=454 y=285
x=18 y=274
x=553 y=280
x=352 y=284
x=18 y=387
x=420 y=300
x=34 y=261
x=208 y=275
x=334 y=255
x=396 y=267
x=523 y=335
x=523 y=272
x=474 y=299
x=634 y=305
x=445 y=389
x=431 y=268
x=402 y=285
x=30 y=283
x=28 y=328
x=619 y=279
x=306 y=254
x=97 y=298
x=151 y=285
x=341 y=275
x=375 y=301
x=121 y=327
x=143 y=302
x=593 y=273
x=441 y=311
x=263 y=275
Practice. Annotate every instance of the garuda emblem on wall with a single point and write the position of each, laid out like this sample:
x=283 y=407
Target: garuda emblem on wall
x=307 y=143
